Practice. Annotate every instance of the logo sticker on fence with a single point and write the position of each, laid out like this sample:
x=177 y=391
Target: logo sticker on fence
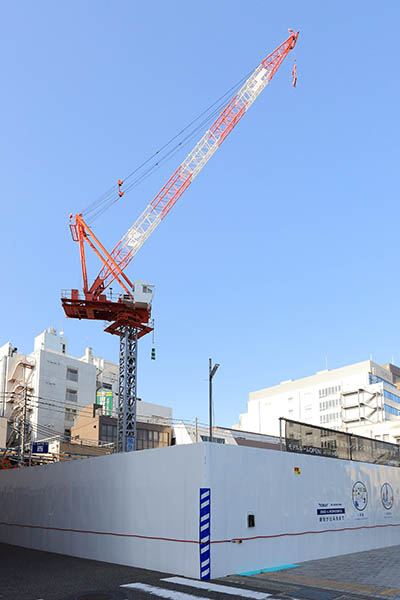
x=360 y=496
x=204 y=533
x=387 y=496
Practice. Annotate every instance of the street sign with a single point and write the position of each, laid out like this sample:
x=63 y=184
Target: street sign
x=129 y=444
x=40 y=447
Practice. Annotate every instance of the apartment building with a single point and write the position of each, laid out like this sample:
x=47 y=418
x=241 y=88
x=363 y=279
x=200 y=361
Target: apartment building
x=49 y=386
x=363 y=393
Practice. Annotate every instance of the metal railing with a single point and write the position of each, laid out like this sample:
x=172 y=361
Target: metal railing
x=320 y=441
x=79 y=295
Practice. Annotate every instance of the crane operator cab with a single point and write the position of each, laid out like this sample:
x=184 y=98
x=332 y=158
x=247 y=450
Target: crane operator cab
x=143 y=294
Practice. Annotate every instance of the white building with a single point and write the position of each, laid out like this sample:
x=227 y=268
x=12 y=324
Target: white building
x=106 y=381
x=62 y=384
x=53 y=385
x=364 y=393
x=189 y=433
x=387 y=431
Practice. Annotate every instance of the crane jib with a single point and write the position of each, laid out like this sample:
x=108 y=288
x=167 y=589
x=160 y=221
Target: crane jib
x=173 y=189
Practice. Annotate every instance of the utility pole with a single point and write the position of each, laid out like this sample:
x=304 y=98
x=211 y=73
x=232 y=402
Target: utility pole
x=211 y=372
x=23 y=430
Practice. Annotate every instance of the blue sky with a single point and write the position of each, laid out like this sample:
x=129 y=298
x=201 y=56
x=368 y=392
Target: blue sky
x=281 y=253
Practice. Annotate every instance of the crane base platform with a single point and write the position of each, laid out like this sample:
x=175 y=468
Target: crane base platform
x=121 y=312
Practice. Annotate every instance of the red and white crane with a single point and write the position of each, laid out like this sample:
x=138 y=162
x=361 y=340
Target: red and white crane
x=129 y=315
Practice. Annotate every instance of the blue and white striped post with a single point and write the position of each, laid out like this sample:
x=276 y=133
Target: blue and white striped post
x=204 y=533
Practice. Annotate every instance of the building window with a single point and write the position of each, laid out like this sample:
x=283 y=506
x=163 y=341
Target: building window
x=391 y=396
x=108 y=432
x=375 y=379
x=101 y=385
x=329 y=390
x=151 y=439
x=67 y=434
x=392 y=411
x=71 y=395
x=70 y=413
x=72 y=374
x=206 y=438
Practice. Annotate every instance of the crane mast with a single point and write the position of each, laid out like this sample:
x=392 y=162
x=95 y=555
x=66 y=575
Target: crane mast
x=129 y=314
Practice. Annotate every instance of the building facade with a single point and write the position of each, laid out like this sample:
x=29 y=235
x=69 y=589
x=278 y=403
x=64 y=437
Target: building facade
x=48 y=387
x=189 y=433
x=153 y=425
x=363 y=393
x=106 y=381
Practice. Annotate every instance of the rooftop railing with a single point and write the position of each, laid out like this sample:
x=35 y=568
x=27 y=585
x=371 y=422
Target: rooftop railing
x=319 y=441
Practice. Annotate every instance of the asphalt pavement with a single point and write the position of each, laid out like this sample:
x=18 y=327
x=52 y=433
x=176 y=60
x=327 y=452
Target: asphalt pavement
x=35 y=575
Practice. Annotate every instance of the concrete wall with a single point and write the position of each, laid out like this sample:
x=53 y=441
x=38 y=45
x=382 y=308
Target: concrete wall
x=156 y=494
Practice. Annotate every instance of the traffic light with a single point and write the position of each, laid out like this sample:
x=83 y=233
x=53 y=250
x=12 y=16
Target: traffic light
x=153 y=354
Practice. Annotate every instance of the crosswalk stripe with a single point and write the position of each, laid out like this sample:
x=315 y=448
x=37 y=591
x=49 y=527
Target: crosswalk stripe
x=161 y=592
x=213 y=587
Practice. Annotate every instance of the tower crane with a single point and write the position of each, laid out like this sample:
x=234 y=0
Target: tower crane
x=129 y=314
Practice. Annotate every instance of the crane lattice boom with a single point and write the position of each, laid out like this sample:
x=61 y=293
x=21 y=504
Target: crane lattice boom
x=158 y=208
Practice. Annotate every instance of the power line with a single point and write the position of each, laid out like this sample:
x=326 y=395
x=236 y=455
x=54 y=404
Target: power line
x=58 y=404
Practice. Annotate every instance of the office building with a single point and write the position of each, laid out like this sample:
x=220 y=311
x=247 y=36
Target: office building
x=363 y=393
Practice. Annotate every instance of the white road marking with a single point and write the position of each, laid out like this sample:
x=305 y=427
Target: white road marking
x=162 y=592
x=213 y=587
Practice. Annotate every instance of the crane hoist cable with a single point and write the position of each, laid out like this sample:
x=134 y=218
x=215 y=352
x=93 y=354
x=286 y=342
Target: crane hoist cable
x=114 y=193
x=108 y=202
x=94 y=304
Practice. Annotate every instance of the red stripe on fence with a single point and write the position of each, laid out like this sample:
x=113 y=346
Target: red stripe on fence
x=165 y=539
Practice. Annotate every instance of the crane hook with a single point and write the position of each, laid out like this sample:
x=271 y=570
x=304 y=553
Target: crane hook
x=294 y=76
x=120 y=194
